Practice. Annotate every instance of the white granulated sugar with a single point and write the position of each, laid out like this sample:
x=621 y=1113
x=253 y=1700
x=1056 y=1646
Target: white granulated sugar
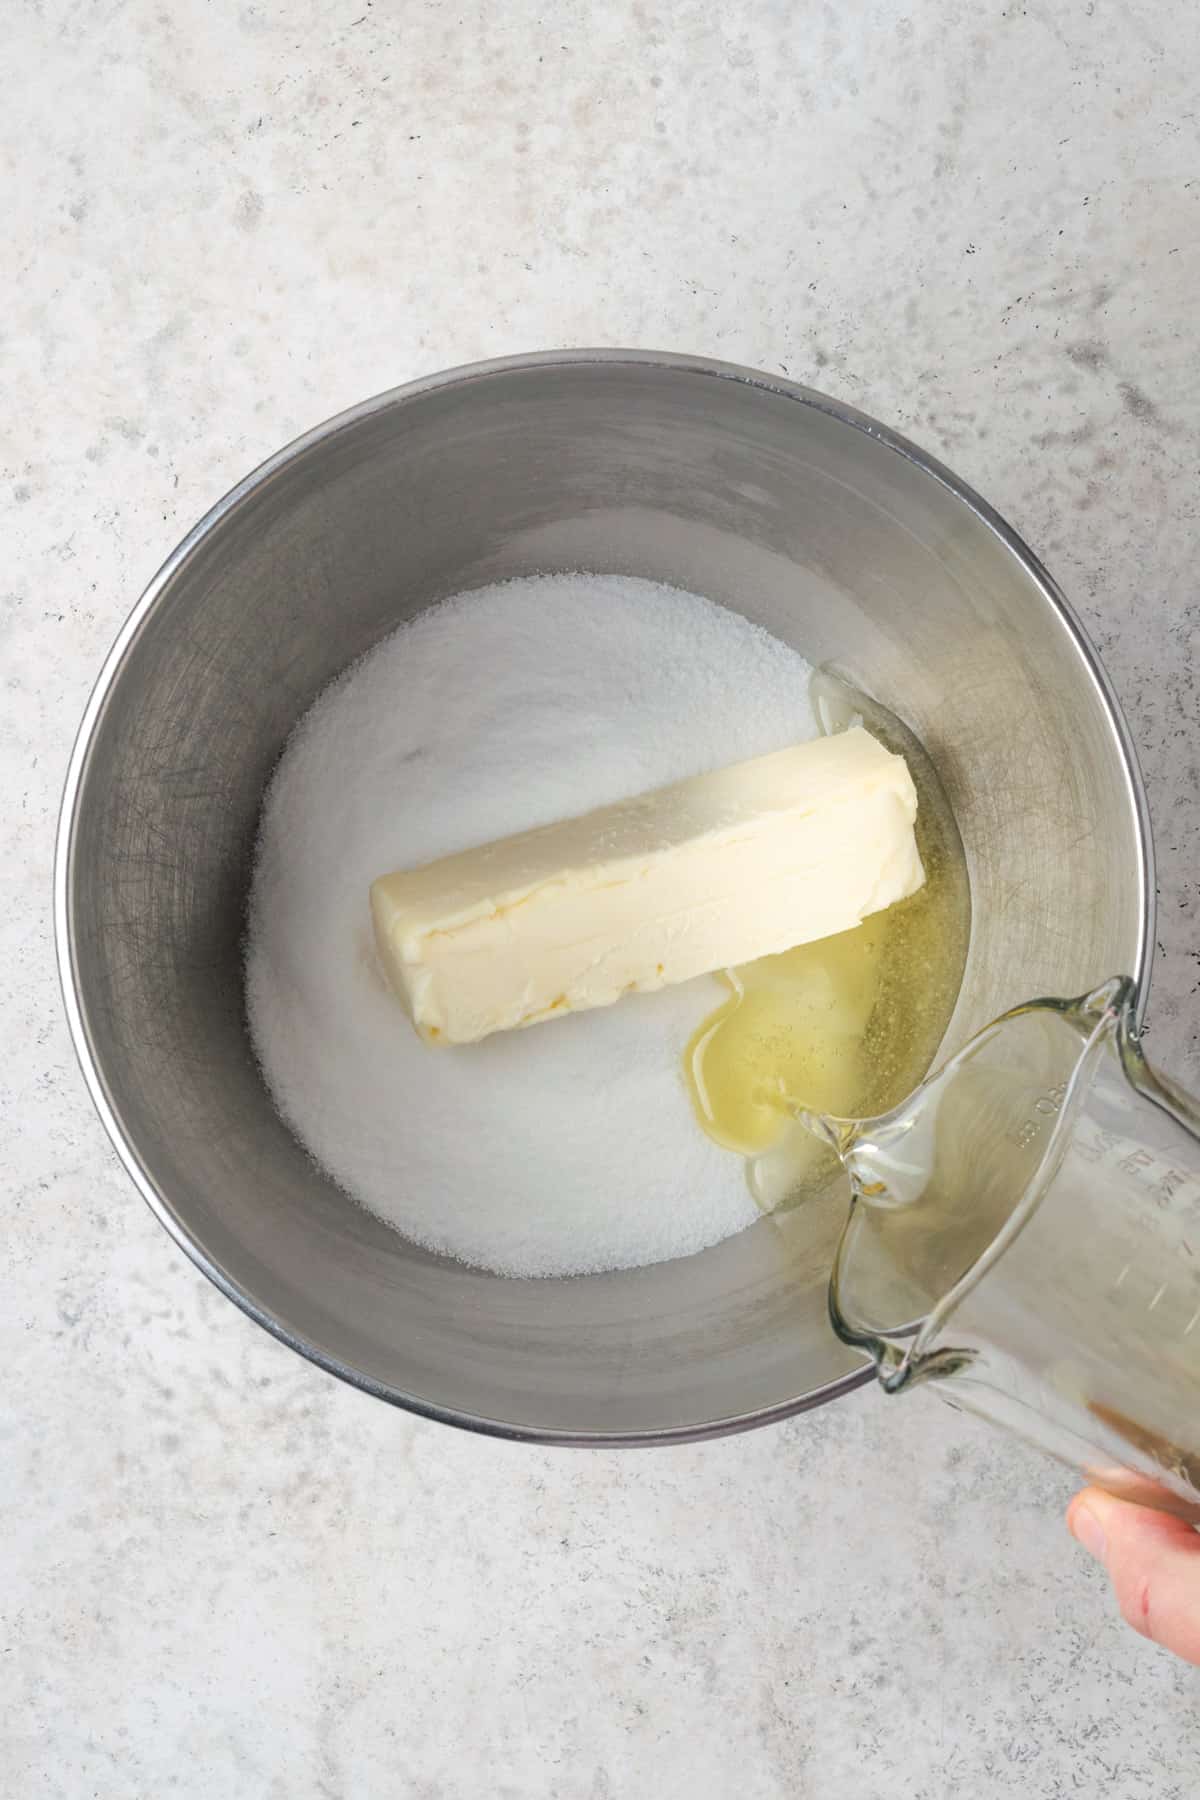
x=570 y=1147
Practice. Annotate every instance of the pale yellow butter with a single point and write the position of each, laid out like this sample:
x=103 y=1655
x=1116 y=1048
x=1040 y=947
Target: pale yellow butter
x=703 y=875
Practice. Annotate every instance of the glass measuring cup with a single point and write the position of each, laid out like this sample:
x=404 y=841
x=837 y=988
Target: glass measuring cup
x=1025 y=1231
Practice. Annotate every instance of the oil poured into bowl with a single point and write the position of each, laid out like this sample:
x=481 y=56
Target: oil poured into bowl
x=850 y=1024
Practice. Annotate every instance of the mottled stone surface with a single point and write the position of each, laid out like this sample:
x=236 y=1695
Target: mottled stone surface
x=221 y=1573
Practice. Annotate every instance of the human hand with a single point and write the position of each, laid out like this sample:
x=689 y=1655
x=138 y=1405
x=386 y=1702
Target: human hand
x=1153 y=1562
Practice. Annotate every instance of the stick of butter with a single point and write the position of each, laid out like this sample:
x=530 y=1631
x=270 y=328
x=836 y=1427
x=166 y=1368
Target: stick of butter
x=703 y=875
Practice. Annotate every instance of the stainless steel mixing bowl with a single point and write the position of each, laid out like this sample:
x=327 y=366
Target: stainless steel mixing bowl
x=835 y=534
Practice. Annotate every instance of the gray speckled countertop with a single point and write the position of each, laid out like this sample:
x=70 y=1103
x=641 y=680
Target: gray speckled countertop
x=223 y=1574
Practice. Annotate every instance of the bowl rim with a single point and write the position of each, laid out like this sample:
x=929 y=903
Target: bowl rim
x=464 y=375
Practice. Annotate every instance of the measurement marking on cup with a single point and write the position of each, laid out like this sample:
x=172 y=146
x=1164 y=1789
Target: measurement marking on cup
x=1046 y=1106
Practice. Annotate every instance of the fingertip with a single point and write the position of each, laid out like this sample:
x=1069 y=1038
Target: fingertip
x=1128 y=1526
x=1086 y=1527
x=1153 y=1561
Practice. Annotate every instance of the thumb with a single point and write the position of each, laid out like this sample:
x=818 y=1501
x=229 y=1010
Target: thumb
x=1153 y=1562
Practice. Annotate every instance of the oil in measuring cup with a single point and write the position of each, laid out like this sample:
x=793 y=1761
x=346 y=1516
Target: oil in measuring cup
x=1026 y=1228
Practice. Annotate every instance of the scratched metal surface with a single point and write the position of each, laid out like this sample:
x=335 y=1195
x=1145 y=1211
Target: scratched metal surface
x=815 y=525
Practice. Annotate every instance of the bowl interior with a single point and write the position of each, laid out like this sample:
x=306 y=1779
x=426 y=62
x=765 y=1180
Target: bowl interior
x=804 y=517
